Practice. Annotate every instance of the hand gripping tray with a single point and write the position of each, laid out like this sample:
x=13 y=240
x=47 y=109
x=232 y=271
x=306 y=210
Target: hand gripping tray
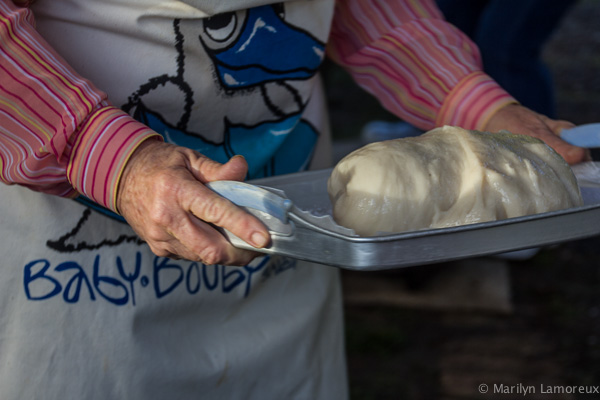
x=297 y=211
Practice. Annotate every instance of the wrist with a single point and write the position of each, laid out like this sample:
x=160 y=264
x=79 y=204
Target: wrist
x=137 y=157
x=472 y=102
x=102 y=146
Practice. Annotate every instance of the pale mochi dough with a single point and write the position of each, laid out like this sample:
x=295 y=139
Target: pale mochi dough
x=446 y=177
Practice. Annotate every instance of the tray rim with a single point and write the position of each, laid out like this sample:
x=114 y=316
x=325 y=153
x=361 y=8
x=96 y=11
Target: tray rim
x=425 y=232
x=426 y=246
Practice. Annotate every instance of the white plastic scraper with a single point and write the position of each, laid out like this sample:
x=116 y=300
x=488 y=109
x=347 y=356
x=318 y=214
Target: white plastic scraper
x=586 y=135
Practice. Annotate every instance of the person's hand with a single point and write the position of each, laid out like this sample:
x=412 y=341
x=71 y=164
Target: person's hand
x=521 y=120
x=162 y=196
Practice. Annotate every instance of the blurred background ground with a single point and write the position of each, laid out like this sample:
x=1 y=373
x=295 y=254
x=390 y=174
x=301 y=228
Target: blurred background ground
x=545 y=332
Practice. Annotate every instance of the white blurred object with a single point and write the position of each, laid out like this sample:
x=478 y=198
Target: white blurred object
x=588 y=178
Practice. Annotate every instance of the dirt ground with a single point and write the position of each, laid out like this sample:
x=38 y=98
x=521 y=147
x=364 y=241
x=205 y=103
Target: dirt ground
x=550 y=336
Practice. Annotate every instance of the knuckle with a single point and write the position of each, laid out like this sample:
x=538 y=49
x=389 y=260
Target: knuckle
x=160 y=251
x=215 y=211
x=164 y=181
x=167 y=184
x=158 y=216
x=164 y=191
x=211 y=255
x=154 y=234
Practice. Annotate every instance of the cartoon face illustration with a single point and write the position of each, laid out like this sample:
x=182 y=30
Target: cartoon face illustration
x=259 y=73
x=254 y=47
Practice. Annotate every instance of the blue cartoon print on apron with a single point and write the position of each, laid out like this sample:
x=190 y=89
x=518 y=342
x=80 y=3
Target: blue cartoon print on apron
x=249 y=50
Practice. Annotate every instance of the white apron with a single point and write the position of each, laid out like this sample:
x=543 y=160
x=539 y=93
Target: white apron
x=86 y=310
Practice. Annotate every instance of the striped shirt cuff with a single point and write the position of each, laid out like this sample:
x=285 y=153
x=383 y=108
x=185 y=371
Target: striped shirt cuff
x=472 y=102
x=103 y=146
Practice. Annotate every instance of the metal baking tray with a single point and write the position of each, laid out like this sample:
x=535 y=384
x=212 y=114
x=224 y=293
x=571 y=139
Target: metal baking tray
x=301 y=227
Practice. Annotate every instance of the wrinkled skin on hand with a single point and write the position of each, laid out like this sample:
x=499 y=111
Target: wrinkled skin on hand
x=162 y=196
x=521 y=120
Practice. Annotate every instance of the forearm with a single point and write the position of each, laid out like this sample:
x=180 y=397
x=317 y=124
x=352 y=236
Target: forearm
x=58 y=133
x=419 y=67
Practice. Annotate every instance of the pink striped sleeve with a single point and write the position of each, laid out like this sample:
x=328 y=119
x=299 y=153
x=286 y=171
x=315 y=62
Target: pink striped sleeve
x=58 y=133
x=420 y=68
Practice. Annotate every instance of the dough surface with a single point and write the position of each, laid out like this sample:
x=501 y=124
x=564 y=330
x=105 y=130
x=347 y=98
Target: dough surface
x=446 y=177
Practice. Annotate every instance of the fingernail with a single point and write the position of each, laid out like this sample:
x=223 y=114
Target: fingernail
x=259 y=239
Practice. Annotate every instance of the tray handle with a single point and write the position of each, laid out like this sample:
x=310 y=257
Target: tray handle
x=267 y=206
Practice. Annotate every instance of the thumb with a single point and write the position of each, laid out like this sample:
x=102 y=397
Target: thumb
x=235 y=169
x=556 y=126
